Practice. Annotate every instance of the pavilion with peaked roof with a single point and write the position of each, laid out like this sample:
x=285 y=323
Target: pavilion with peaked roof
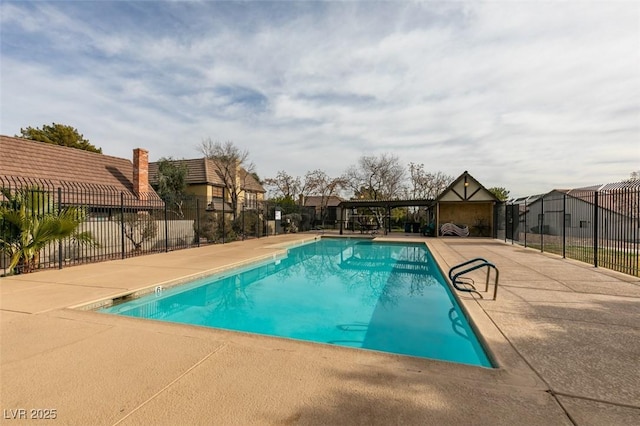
x=465 y=203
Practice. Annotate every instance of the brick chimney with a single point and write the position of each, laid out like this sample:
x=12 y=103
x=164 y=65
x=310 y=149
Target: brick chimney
x=140 y=171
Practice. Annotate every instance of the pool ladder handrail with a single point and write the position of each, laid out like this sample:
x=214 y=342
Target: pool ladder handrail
x=484 y=263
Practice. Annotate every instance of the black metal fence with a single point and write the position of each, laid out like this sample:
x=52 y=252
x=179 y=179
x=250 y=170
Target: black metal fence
x=118 y=224
x=292 y=217
x=597 y=225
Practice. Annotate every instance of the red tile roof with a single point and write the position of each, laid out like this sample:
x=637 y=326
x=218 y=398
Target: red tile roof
x=199 y=171
x=203 y=170
x=318 y=201
x=250 y=182
x=23 y=161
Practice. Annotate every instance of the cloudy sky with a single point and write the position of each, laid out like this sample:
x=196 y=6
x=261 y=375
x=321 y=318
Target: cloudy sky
x=530 y=96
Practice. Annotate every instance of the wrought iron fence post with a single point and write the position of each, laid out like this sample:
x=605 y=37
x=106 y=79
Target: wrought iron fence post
x=595 y=229
x=223 y=203
x=564 y=225
x=636 y=247
x=197 y=222
x=633 y=248
x=259 y=219
x=122 y=223
x=265 y=219
x=60 y=240
x=243 y=215
x=513 y=223
x=541 y=225
x=166 y=229
x=506 y=222
x=526 y=212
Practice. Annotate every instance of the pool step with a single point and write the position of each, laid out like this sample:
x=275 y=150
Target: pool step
x=351 y=343
x=353 y=327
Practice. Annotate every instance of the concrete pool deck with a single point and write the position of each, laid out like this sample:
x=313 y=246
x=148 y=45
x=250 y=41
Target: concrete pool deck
x=565 y=335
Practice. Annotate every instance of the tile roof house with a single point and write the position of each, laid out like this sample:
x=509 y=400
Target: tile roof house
x=124 y=215
x=204 y=180
x=24 y=162
x=318 y=201
x=326 y=207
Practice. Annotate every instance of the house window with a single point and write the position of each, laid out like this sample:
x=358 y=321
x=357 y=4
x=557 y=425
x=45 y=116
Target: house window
x=251 y=200
x=584 y=224
x=216 y=192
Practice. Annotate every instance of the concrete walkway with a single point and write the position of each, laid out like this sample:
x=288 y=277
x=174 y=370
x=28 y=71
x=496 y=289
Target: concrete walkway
x=565 y=335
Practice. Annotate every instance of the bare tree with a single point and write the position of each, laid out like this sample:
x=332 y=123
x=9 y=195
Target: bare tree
x=319 y=183
x=230 y=161
x=284 y=185
x=376 y=178
x=138 y=228
x=427 y=185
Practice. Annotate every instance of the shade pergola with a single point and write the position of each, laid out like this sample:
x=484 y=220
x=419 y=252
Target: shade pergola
x=465 y=201
x=385 y=204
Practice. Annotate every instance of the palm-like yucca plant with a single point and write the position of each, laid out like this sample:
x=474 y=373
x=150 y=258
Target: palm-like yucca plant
x=30 y=221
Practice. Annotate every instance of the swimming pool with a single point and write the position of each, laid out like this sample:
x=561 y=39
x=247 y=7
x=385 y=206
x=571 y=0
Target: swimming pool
x=380 y=296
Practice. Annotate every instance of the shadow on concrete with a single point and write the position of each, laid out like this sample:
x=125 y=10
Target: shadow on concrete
x=376 y=396
x=586 y=347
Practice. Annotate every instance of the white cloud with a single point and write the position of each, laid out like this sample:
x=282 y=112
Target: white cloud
x=525 y=95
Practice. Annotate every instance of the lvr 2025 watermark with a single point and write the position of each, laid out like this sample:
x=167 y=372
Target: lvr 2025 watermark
x=29 y=414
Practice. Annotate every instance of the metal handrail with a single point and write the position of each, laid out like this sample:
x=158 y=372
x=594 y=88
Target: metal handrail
x=460 y=265
x=484 y=263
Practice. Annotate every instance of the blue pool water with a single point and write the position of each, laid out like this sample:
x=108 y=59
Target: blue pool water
x=381 y=296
